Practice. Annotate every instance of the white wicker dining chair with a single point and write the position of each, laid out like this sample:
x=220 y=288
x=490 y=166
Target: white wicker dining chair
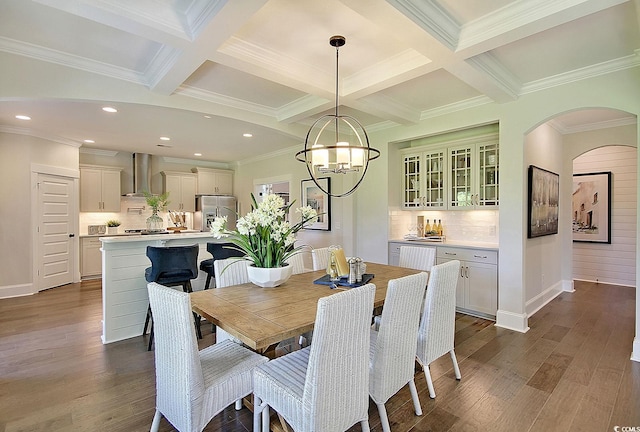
x=324 y=387
x=417 y=257
x=297 y=262
x=193 y=386
x=320 y=258
x=413 y=257
x=437 y=326
x=228 y=272
x=392 y=353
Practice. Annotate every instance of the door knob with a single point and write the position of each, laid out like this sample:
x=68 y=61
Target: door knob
x=72 y=235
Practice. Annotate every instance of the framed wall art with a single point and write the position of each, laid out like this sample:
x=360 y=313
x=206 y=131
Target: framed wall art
x=544 y=197
x=318 y=200
x=591 y=207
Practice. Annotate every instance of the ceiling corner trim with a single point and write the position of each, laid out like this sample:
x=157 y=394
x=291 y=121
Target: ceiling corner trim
x=455 y=107
x=502 y=77
x=38 y=134
x=432 y=18
x=592 y=71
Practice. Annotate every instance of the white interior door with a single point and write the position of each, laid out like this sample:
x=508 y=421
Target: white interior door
x=55 y=231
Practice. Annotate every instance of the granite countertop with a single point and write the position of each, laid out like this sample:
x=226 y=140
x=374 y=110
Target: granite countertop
x=451 y=243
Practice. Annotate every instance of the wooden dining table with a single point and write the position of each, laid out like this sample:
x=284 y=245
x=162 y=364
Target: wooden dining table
x=263 y=317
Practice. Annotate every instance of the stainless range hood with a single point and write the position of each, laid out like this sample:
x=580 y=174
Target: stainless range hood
x=141 y=175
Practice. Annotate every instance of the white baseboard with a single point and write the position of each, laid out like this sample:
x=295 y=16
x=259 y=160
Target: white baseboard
x=538 y=302
x=512 y=321
x=16 y=290
x=567 y=286
x=635 y=355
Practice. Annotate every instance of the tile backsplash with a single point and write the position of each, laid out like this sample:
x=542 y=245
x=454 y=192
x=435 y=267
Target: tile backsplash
x=133 y=214
x=471 y=225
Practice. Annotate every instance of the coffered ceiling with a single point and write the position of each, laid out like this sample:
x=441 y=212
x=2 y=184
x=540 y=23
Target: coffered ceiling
x=203 y=72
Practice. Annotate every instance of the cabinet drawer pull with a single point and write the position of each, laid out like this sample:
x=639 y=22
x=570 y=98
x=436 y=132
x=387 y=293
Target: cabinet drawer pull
x=481 y=256
x=451 y=253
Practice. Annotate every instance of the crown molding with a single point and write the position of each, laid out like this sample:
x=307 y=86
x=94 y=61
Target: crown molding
x=301 y=105
x=510 y=17
x=455 y=107
x=98 y=152
x=196 y=162
x=69 y=60
x=275 y=61
x=161 y=64
x=603 y=68
x=563 y=129
x=501 y=76
x=385 y=106
x=390 y=67
x=282 y=152
x=431 y=18
x=227 y=101
x=199 y=14
x=38 y=134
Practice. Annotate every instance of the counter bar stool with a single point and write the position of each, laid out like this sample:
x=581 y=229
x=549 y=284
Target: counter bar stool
x=171 y=266
x=219 y=251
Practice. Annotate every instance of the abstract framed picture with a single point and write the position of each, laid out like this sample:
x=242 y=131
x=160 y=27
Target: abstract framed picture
x=591 y=207
x=319 y=201
x=544 y=197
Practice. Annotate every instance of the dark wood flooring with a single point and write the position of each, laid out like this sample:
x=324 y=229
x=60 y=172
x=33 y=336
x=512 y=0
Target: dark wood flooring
x=570 y=372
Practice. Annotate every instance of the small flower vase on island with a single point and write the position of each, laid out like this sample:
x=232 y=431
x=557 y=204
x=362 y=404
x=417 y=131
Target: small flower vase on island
x=157 y=202
x=266 y=238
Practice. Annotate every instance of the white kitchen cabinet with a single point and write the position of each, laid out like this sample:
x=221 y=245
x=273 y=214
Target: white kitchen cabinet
x=99 y=189
x=477 y=289
x=91 y=257
x=423 y=181
x=473 y=175
x=457 y=175
x=214 y=181
x=181 y=188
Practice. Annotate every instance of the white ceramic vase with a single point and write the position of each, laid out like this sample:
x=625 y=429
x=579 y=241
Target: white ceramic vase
x=112 y=230
x=269 y=277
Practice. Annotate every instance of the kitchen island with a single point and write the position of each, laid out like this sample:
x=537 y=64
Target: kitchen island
x=124 y=288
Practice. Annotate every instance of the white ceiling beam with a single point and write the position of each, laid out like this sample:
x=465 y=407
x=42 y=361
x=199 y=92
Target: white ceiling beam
x=522 y=19
x=220 y=27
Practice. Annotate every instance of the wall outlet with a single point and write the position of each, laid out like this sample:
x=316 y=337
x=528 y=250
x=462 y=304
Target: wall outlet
x=492 y=230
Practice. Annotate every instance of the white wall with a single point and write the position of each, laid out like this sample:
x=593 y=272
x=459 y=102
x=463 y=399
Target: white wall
x=516 y=119
x=611 y=263
x=17 y=153
x=543 y=276
x=281 y=165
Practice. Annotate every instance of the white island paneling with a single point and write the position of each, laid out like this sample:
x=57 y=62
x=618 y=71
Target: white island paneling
x=124 y=288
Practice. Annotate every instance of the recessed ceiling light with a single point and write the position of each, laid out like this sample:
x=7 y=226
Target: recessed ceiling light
x=109 y=109
x=23 y=117
x=207 y=116
x=163 y=138
x=247 y=135
x=197 y=154
x=88 y=141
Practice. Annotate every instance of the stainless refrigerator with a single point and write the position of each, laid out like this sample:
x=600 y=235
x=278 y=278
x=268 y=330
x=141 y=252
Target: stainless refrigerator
x=209 y=207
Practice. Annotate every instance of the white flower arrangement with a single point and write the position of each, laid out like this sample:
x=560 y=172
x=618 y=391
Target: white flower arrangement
x=263 y=235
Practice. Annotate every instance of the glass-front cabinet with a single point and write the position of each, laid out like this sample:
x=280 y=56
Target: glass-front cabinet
x=461 y=176
x=424 y=180
x=488 y=171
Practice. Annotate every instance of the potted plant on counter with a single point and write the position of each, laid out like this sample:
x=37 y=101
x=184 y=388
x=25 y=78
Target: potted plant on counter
x=157 y=203
x=266 y=238
x=112 y=226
